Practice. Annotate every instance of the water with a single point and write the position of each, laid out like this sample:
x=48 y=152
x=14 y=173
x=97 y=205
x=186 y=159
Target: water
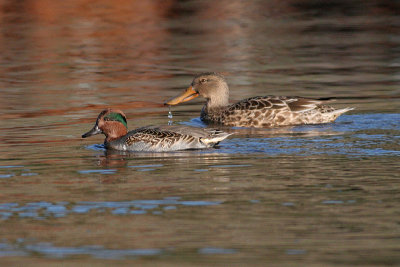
x=318 y=195
x=170 y=116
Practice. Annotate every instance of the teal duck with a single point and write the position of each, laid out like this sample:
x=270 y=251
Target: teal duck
x=113 y=124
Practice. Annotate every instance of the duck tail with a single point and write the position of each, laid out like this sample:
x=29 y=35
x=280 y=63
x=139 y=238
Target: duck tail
x=339 y=112
x=215 y=137
x=334 y=114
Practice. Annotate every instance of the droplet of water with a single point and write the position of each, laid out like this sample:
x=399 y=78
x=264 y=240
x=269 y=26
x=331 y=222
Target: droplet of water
x=170 y=113
x=170 y=116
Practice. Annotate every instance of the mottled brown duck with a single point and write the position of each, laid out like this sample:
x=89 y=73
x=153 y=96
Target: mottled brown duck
x=258 y=111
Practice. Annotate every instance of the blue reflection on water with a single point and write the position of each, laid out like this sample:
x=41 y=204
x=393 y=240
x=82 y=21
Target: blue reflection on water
x=11 y=166
x=96 y=147
x=101 y=171
x=29 y=174
x=351 y=135
x=41 y=210
x=14 y=170
x=6 y=175
x=213 y=250
x=99 y=252
x=48 y=250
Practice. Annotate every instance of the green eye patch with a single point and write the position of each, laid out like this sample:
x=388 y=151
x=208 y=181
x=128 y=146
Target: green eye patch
x=116 y=117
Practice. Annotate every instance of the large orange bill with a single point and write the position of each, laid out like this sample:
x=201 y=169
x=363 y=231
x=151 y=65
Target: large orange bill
x=189 y=94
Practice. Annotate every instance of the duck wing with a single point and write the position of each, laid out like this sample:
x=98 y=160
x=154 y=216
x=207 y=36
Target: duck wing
x=270 y=111
x=290 y=103
x=173 y=137
x=187 y=130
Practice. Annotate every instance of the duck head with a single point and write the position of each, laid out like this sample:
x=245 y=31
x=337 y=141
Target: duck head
x=110 y=122
x=212 y=86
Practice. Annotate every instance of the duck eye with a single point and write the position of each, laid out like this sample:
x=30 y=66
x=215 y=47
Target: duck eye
x=203 y=80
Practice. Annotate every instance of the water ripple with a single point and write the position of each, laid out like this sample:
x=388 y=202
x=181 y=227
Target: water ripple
x=111 y=171
x=213 y=250
x=96 y=251
x=48 y=250
x=41 y=210
x=351 y=135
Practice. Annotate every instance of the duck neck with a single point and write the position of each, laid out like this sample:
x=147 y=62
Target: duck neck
x=219 y=101
x=114 y=131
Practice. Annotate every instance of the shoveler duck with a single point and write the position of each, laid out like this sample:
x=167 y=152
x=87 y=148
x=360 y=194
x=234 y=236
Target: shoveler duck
x=258 y=111
x=113 y=124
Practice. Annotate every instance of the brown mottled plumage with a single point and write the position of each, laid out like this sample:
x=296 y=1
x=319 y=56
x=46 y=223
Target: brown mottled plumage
x=259 y=111
x=112 y=123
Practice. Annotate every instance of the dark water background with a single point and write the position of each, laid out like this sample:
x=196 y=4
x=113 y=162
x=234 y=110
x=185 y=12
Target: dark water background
x=309 y=195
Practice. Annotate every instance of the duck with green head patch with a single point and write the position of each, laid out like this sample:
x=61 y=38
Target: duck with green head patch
x=113 y=124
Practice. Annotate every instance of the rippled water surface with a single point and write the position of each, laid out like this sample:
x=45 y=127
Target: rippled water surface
x=318 y=195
